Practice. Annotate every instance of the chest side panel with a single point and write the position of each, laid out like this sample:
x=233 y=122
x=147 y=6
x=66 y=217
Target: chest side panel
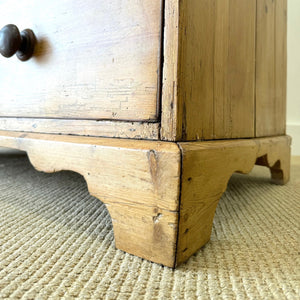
x=271 y=67
x=214 y=88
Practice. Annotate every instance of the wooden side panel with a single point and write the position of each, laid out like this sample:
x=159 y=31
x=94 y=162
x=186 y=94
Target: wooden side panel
x=265 y=68
x=271 y=67
x=216 y=70
x=234 y=69
x=196 y=82
x=222 y=107
x=281 y=66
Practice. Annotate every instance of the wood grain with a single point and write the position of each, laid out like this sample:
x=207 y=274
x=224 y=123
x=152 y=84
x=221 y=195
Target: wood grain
x=171 y=106
x=196 y=68
x=116 y=129
x=234 y=69
x=94 y=60
x=212 y=86
x=88 y=78
x=137 y=180
x=206 y=170
x=271 y=67
x=281 y=66
x=161 y=196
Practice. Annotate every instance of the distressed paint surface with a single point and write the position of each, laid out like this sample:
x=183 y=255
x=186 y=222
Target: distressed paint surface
x=93 y=60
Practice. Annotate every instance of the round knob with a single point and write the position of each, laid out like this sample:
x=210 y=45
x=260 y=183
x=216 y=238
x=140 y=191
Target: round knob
x=12 y=41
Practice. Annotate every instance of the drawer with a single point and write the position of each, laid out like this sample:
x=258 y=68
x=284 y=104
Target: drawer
x=97 y=60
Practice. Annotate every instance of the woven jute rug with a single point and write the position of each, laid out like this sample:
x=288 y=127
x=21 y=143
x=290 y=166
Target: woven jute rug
x=56 y=242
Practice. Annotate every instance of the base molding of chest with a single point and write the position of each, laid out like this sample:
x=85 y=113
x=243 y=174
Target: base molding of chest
x=161 y=196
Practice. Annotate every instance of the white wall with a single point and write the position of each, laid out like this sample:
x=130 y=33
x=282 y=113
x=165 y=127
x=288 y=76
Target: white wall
x=293 y=80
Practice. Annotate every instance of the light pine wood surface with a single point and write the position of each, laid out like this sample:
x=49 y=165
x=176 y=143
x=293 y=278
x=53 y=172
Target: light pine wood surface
x=211 y=83
x=225 y=69
x=271 y=62
x=234 y=69
x=137 y=180
x=176 y=72
x=206 y=170
x=93 y=60
x=171 y=106
x=161 y=196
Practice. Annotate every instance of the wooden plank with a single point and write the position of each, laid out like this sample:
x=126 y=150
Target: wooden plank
x=206 y=170
x=222 y=102
x=139 y=182
x=271 y=68
x=116 y=129
x=187 y=83
x=280 y=66
x=171 y=108
x=216 y=70
x=265 y=68
x=234 y=69
x=197 y=19
x=94 y=60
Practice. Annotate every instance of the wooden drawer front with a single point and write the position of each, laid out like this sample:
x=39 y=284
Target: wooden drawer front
x=94 y=60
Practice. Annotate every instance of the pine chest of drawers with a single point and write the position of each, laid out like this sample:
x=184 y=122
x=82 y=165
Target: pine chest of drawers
x=155 y=102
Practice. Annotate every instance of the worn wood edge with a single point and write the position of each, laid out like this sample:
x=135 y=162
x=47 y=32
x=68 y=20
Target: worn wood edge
x=281 y=63
x=113 y=129
x=170 y=104
x=138 y=181
x=206 y=170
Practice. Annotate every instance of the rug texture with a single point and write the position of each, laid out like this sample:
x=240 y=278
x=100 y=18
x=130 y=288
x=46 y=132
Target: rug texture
x=56 y=242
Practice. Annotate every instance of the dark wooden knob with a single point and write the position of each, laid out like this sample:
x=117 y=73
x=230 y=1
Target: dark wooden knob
x=12 y=41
